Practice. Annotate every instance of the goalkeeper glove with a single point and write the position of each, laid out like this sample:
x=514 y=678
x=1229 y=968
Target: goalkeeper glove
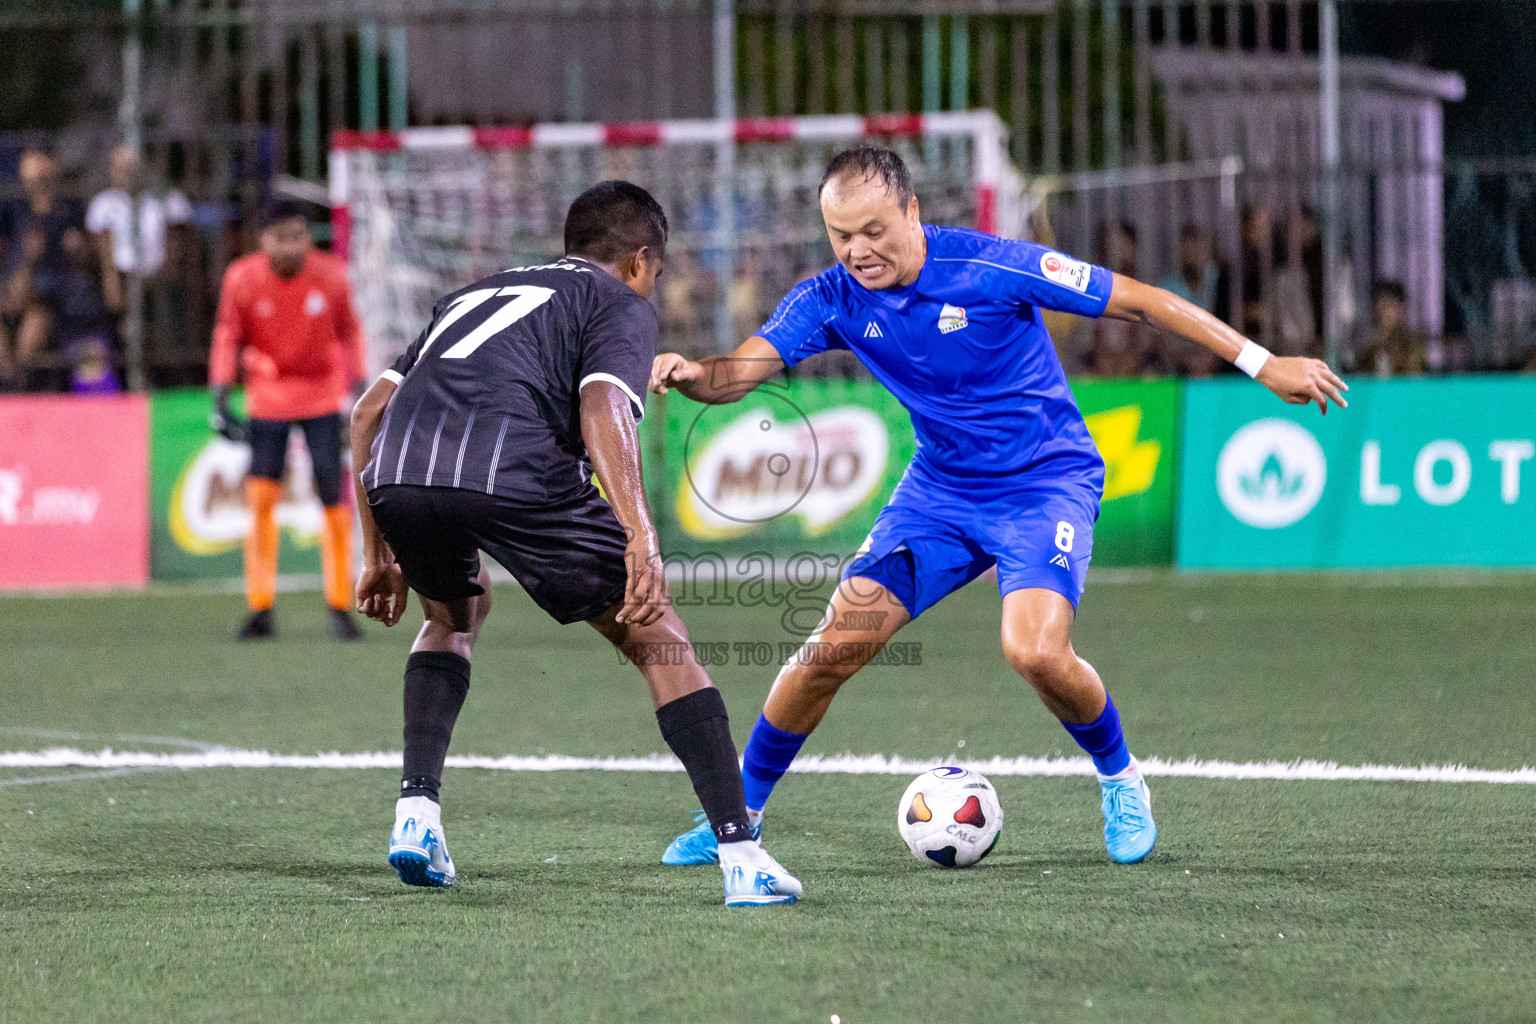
x=223 y=420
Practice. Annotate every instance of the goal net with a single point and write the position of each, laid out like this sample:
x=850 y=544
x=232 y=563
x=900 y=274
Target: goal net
x=422 y=212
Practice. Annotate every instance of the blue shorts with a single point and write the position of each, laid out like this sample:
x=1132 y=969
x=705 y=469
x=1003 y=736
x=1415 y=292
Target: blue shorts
x=938 y=534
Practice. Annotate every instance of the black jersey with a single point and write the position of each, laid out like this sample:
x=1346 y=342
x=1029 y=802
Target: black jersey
x=489 y=394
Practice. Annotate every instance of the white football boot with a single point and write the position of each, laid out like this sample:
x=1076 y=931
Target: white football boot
x=418 y=849
x=753 y=878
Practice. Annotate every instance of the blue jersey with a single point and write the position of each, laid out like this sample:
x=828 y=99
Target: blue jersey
x=964 y=349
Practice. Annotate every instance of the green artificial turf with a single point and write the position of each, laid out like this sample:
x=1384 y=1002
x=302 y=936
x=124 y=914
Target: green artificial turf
x=257 y=894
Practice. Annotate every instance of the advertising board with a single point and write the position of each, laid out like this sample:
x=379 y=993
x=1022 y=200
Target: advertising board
x=197 y=486
x=805 y=465
x=73 y=500
x=1413 y=473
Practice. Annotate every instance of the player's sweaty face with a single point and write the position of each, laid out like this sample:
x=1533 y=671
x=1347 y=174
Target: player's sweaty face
x=879 y=242
x=286 y=243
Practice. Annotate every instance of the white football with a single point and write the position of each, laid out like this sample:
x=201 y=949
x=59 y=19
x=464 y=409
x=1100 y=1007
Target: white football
x=950 y=817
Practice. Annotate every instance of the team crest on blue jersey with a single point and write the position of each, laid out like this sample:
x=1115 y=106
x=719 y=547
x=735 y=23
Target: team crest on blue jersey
x=951 y=318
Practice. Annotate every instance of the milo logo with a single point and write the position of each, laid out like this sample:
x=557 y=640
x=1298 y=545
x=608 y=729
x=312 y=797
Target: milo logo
x=208 y=514
x=746 y=468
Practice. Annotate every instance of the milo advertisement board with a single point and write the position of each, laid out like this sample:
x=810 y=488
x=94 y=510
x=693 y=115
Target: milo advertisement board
x=804 y=466
x=1413 y=473
x=198 y=514
x=797 y=466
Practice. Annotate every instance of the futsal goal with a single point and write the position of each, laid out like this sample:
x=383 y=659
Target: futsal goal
x=422 y=212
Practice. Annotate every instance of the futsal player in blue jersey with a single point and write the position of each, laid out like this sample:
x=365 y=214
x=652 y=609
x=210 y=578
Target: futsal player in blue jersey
x=1005 y=473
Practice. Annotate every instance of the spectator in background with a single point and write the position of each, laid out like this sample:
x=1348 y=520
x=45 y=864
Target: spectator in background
x=746 y=297
x=110 y=219
x=32 y=230
x=1297 y=286
x=1251 y=266
x=1392 y=347
x=1118 y=348
x=79 y=316
x=683 y=294
x=1194 y=281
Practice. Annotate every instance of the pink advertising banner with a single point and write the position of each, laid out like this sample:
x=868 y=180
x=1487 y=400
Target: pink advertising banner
x=74 y=483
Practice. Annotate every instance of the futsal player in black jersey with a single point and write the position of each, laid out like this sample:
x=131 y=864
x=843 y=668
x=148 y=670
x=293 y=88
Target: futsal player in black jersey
x=484 y=436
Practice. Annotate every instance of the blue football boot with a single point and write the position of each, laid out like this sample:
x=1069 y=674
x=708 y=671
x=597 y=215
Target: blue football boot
x=1129 y=831
x=698 y=845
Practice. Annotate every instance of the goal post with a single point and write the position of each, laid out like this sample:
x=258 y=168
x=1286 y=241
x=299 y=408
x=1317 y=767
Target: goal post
x=424 y=211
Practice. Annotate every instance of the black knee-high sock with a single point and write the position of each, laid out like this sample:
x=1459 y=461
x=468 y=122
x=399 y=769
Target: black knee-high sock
x=436 y=683
x=699 y=732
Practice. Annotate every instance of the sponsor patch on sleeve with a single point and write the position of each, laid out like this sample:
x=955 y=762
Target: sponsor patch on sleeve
x=1065 y=270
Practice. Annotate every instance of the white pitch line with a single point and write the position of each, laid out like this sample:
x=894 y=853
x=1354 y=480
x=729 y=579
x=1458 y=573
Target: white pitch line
x=93 y=773
x=840 y=764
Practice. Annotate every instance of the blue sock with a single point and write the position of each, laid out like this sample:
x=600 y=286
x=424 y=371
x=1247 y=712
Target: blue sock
x=1102 y=739
x=766 y=759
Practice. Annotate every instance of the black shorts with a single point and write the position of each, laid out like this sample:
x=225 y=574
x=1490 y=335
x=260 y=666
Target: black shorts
x=269 y=451
x=568 y=555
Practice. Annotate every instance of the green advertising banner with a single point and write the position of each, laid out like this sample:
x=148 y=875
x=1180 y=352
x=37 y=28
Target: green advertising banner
x=1413 y=473
x=805 y=466
x=1135 y=425
x=198 y=515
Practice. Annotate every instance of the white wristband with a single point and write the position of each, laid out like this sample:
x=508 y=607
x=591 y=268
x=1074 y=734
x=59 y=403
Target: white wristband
x=1252 y=358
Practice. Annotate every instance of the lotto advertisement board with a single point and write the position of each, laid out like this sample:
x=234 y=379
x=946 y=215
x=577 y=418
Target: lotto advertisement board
x=72 y=492
x=1413 y=473
x=197 y=493
x=805 y=465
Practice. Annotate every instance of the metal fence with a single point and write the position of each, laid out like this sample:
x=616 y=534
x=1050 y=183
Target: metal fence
x=1490 y=212
x=239 y=96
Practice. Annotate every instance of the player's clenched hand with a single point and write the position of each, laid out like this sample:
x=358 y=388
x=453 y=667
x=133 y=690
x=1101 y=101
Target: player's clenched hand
x=1299 y=380
x=646 y=594
x=382 y=593
x=223 y=420
x=669 y=369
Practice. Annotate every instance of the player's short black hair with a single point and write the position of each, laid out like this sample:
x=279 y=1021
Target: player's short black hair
x=613 y=219
x=281 y=208
x=870 y=162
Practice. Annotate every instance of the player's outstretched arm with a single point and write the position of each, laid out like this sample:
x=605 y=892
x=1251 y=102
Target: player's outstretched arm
x=381 y=589
x=608 y=430
x=718 y=380
x=1297 y=379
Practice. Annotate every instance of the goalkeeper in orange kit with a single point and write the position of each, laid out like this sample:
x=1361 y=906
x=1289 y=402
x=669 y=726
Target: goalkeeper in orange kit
x=286 y=319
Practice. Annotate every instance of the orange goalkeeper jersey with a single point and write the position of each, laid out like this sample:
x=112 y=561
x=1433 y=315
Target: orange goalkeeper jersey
x=298 y=340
